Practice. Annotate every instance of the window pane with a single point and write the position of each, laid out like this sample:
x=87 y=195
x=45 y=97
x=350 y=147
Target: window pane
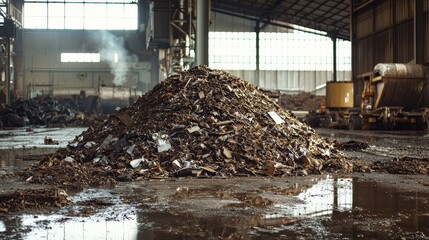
x=74 y=10
x=80 y=57
x=76 y=14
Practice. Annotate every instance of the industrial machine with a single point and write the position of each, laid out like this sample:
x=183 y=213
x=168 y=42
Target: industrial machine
x=335 y=110
x=392 y=98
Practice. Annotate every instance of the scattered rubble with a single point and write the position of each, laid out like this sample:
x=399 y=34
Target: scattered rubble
x=404 y=165
x=40 y=199
x=352 y=145
x=54 y=112
x=70 y=175
x=50 y=141
x=303 y=101
x=200 y=122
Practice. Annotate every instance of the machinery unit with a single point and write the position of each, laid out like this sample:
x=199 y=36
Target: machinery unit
x=334 y=111
x=392 y=98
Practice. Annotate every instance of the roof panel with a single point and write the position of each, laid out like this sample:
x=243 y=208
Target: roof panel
x=328 y=16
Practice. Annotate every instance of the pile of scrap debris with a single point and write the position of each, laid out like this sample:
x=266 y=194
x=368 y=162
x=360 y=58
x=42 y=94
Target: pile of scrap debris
x=200 y=122
x=46 y=110
x=303 y=101
x=40 y=199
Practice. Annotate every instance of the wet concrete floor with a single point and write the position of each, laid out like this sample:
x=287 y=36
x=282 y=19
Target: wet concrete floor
x=356 y=206
x=251 y=208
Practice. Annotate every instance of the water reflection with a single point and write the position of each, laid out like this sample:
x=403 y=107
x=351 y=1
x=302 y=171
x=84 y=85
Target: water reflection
x=320 y=200
x=22 y=138
x=21 y=158
x=351 y=209
x=60 y=228
x=118 y=221
x=2 y=227
x=340 y=208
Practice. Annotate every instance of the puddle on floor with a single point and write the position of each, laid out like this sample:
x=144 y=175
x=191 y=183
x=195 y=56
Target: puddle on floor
x=21 y=138
x=340 y=208
x=110 y=219
x=21 y=158
x=347 y=208
x=19 y=148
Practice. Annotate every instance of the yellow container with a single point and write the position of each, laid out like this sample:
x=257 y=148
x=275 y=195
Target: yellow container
x=339 y=94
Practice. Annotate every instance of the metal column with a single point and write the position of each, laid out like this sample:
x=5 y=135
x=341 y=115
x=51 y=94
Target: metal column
x=257 y=30
x=334 y=53
x=7 y=24
x=154 y=69
x=202 y=44
x=418 y=32
x=8 y=74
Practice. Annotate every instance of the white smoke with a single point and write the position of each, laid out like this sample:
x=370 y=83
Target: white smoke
x=111 y=49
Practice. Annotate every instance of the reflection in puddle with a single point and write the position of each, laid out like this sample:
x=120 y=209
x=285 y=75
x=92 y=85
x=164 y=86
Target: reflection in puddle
x=350 y=208
x=21 y=158
x=21 y=138
x=319 y=200
x=118 y=221
x=2 y=227
x=20 y=148
x=60 y=228
x=330 y=208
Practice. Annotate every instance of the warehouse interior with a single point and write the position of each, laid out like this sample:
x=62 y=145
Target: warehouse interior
x=214 y=119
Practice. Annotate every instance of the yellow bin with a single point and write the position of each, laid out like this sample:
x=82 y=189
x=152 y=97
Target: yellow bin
x=339 y=94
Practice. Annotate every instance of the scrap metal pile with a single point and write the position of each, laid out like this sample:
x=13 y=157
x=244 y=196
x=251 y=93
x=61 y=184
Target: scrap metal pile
x=46 y=110
x=200 y=122
x=303 y=101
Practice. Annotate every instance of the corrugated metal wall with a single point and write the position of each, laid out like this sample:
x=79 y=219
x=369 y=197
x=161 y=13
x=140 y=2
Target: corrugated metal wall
x=383 y=32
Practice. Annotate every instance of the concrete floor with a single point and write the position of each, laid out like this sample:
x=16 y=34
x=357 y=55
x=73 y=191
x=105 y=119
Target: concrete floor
x=354 y=206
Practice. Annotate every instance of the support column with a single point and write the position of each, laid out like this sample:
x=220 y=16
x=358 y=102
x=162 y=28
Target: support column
x=334 y=53
x=8 y=25
x=202 y=44
x=154 y=68
x=8 y=73
x=418 y=32
x=257 y=30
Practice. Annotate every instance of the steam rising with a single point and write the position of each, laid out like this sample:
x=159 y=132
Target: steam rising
x=112 y=51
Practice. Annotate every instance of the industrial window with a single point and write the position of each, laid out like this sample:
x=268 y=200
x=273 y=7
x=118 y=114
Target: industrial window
x=301 y=51
x=232 y=50
x=80 y=57
x=293 y=51
x=72 y=14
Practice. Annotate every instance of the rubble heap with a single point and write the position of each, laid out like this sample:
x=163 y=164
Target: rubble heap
x=46 y=110
x=201 y=122
x=303 y=101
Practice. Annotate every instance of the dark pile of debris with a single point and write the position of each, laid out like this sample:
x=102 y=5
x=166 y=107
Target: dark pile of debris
x=303 y=101
x=53 y=112
x=201 y=122
x=36 y=199
x=352 y=145
x=403 y=165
